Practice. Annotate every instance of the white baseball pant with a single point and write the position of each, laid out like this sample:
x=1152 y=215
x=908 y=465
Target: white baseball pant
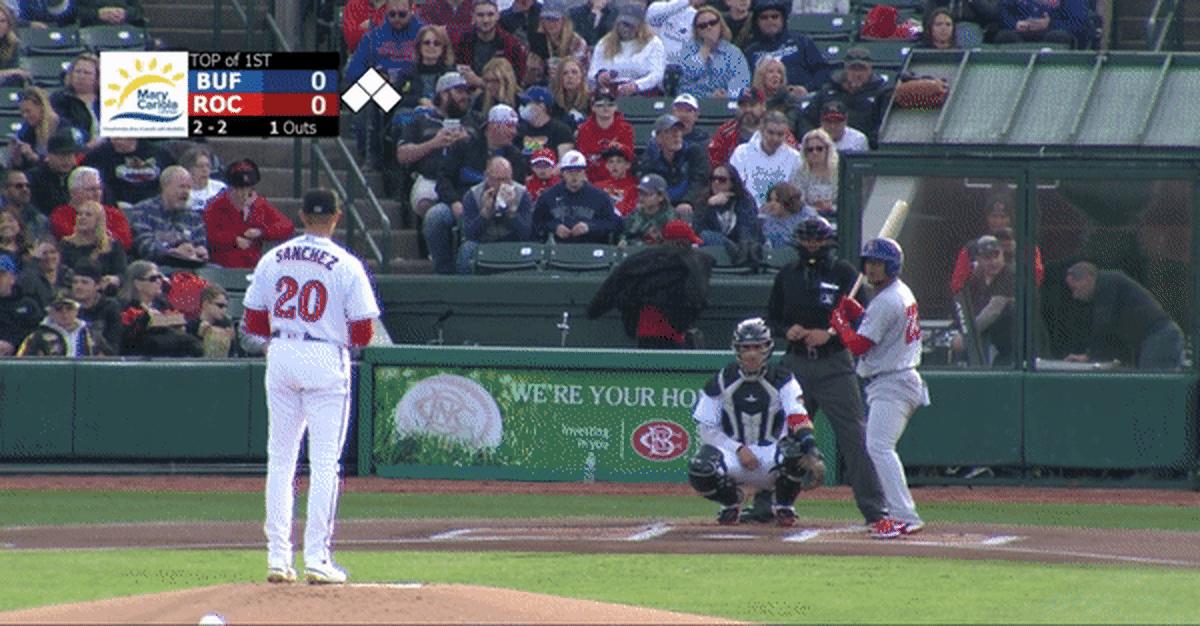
x=308 y=386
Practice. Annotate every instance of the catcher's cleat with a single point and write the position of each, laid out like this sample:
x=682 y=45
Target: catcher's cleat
x=885 y=528
x=910 y=528
x=729 y=515
x=761 y=510
x=785 y=517
x=325 y=573
x=281 y=575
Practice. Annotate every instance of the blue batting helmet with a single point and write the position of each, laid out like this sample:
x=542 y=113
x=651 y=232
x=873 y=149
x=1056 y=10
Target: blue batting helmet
x=885 y=249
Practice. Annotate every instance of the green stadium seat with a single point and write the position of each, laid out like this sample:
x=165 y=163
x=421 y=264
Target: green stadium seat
x=716 y=109
x=823 y=26
x=108 y=37
x=10 y=99
x=9 y=125
x=723 y=262
x=834 y=51
x=776 y=258
x=508 y=256
x=638 y=108
x=64 y=40
x=887 y=52
x=47 y=71
x=581 y=257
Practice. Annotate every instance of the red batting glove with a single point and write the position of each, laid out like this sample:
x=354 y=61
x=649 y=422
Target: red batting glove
x=850 y=308
x=837 y=320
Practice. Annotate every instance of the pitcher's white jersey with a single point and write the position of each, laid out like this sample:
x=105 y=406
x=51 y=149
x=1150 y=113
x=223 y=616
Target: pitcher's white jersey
x=311 y=287
x=893 y=324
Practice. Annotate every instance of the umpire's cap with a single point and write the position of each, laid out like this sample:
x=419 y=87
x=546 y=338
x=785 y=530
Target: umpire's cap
x=320 y=202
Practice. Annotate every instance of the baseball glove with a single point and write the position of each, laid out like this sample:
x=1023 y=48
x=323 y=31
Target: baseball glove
x=921 y=93
x=812 y=466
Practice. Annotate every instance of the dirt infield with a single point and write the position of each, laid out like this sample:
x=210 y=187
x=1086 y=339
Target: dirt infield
x=438 y=603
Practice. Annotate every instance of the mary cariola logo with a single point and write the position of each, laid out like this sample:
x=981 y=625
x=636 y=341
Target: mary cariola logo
x=143 y=94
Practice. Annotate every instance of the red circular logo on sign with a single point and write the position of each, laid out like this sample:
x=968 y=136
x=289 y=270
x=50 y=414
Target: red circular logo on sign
x=660 y=441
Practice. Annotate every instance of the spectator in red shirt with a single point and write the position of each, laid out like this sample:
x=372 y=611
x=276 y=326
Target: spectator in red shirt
x=751 y=108
x=83 y=185
x=359 y=17
x=239 y=220
x=456 y=16
x=604 y=126
x=621 y=184
x=999 y=225
x=544 y=174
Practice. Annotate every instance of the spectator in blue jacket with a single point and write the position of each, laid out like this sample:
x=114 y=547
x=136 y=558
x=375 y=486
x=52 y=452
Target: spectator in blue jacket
x=805 y=64
x=47 y=13
x=389 y=47
x=574 y=210
x=496 y=209
x=1049 y=21
x=710 y=66
x=682 y=164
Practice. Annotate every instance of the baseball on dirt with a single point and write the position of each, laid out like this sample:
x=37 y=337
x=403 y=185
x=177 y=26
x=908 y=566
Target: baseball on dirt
x=211 y=619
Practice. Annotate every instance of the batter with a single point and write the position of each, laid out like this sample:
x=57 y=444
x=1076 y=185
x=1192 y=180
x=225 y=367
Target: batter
x=313 y=299
x=888 y=344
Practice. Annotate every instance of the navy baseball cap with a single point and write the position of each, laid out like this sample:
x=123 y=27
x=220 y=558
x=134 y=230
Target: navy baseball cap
x=320 y=202
x=539 y=94
x=242 y=173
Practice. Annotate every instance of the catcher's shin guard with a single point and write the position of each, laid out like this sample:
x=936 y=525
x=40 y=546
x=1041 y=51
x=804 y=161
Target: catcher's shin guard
x=706 y=473
x=791 y=477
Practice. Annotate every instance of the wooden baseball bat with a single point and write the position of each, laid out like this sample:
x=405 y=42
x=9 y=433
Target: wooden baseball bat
x=891 y=229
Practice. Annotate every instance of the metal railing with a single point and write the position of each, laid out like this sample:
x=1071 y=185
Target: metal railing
x=319 y=162
x=1165 y=22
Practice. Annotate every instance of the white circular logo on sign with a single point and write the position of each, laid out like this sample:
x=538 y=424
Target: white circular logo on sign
x=453 y=407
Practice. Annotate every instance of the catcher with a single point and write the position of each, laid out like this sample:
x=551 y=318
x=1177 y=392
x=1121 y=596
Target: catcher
x=755 y=431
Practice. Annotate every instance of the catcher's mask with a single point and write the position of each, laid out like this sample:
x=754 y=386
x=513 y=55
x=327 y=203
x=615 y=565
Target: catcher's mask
x=752 y=344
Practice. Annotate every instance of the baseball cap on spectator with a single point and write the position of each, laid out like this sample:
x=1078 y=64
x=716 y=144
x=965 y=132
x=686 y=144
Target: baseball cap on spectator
x=631 y=12
x=834 y=111
x=653 y=183
x=573 y=160
x=687 y=99
x=502 y=114
x=616 y=148
x=998 y=207
x=678 y=230
x=858 y=56
x=554 y=9
x=450 y=80
x=242 y=173
x=987 y=245
x=666 y=121
x=7 y=264
x=87 y=268
x=63 y=299
x=320 y=202
x=63 y=143
x=604 y=95
x=750 y=96
x=539 y=94
x=544 y=156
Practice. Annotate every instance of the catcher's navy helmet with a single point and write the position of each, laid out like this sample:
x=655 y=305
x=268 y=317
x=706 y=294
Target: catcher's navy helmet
x=815 y=227
x=749 y=332
x=885 y=249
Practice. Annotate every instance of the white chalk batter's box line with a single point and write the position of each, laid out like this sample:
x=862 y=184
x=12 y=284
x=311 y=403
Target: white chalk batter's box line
x=832 y=535
x=642 y=533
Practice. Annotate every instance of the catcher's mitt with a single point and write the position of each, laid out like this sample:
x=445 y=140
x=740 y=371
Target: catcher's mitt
x=812 y=466
x=921 y=93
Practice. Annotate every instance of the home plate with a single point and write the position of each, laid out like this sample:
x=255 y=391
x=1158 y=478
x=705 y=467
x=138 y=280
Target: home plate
x=729 y=536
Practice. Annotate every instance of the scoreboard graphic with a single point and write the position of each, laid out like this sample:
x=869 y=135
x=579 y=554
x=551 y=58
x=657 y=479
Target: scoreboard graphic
x=219 y=94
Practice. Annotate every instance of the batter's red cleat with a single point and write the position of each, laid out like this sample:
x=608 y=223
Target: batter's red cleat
x=885 y=528
x=729 y=516
x=785 y=517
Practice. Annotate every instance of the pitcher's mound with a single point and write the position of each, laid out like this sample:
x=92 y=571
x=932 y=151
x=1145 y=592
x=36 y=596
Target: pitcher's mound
x=354 y=603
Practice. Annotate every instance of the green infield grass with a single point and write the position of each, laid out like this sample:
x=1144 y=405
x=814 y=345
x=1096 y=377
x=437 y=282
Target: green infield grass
x=774 y=589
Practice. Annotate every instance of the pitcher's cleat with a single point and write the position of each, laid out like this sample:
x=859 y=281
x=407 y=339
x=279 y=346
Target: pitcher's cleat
x=325 y=573
x=281 y=575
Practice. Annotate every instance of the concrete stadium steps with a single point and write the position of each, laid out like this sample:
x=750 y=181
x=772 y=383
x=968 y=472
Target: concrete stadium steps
x=189 y=25
x=1130 y=23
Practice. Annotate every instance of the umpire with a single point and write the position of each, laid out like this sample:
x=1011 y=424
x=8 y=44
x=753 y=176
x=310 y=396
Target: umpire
x=804 y=294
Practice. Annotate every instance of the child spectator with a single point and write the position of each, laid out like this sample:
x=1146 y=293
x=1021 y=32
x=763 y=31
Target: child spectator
x=621 y=184
x=61 y=333
x=544 y=174
x=653 y=212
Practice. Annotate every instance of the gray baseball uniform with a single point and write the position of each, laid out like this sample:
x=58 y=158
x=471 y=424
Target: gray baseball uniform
x=894 y=388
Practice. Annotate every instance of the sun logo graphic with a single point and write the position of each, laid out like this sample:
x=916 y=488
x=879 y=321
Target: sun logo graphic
x=143 y=94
